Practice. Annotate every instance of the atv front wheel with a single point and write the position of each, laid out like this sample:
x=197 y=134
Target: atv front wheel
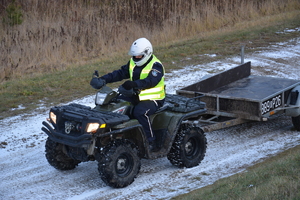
x=57 y=158
x=296 y=122
x=119 y=164
x=189 y=147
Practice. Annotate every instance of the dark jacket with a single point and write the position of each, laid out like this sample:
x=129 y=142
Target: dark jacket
x=152 y=79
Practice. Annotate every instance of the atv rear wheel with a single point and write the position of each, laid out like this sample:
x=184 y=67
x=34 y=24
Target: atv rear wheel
x=189 y=147
x=119 y=164
x=57 y=158
x=296 y=122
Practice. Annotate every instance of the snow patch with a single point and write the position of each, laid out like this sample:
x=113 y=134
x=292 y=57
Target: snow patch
x=25 y=173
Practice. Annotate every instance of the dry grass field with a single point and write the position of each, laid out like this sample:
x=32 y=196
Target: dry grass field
x=43 y=36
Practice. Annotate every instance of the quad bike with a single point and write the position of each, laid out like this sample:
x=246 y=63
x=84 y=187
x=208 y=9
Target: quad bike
x=109 y=135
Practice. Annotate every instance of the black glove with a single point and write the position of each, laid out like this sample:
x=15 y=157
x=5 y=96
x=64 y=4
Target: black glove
x=97 y=83
x=126 y=93
x=129 y=85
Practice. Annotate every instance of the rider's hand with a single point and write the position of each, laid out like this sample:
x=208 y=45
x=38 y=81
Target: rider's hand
x=129 y=85
x=126 y=93
x=97 y=83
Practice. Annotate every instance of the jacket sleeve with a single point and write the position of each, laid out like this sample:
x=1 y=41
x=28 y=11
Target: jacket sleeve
x=153 y=78
x=117 y=75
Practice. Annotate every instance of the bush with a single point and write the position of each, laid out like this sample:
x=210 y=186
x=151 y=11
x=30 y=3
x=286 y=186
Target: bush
x=13 y=14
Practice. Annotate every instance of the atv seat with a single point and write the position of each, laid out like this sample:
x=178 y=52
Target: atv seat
x=164 y=107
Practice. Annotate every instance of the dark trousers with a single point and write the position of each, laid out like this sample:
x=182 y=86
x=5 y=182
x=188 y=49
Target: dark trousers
x=142 y=111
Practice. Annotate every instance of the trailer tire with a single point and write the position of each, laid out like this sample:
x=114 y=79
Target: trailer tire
x=57 y=158
x=296 y=122
x=189 y=147
x=119 y=163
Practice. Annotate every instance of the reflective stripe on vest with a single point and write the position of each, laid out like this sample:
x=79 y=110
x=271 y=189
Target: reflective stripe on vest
x=155 y=93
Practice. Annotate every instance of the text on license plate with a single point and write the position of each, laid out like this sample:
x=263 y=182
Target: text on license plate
x=271 y=104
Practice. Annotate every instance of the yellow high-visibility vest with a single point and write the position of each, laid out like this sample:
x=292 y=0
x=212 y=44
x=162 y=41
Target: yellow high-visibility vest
x=155 y=93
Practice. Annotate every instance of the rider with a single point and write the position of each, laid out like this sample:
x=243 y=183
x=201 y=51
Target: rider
x=145 y=88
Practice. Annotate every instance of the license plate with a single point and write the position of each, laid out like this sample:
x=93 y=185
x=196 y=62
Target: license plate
x=271 y=104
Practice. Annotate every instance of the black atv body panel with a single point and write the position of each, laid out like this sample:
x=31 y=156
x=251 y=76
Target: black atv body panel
x=72 y=121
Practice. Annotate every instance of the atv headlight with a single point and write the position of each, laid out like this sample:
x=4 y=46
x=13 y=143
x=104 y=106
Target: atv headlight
x=52 y=117
x=100 y=97
x=93 y=127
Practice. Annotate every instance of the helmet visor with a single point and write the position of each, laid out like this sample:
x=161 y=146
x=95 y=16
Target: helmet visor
x=131 y=52
x=137 y=58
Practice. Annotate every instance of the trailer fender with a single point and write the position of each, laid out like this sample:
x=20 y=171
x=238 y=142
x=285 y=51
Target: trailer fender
x=294 y=100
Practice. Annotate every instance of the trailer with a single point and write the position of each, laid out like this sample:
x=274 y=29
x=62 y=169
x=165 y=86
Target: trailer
x=235 y=96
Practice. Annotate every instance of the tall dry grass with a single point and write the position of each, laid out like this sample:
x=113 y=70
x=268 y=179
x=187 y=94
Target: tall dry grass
x=55 y=34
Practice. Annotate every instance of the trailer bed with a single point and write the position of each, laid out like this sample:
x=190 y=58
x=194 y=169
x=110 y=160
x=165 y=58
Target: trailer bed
x=238 y=94
x=255 y=88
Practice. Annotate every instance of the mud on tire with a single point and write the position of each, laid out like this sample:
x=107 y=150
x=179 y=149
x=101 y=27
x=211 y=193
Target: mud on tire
x=57 y=158
x=119 y=164
x=189 y=147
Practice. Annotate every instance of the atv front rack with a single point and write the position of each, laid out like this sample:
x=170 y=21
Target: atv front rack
x=79 y=116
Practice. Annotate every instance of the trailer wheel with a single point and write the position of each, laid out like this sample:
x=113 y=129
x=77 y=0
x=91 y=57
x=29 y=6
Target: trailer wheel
x=119 y=164
x=296 y=122
x=57 y=158
x=189 y=147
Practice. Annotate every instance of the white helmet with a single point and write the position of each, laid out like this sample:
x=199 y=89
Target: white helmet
x=141 y=47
